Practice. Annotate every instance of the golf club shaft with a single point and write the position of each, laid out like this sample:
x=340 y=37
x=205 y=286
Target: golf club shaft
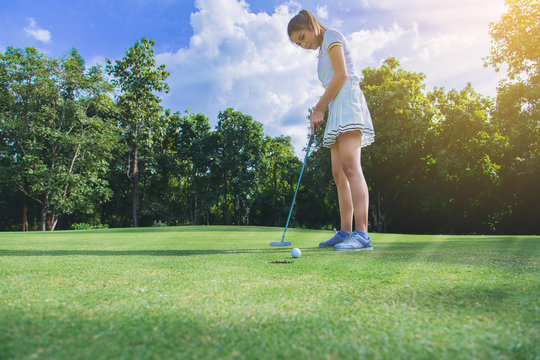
x=297 y=186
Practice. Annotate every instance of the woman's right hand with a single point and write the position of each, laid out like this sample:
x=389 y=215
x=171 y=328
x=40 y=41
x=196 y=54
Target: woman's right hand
x=316 y=119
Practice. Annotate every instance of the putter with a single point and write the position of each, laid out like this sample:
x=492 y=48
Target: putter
x=283 y=242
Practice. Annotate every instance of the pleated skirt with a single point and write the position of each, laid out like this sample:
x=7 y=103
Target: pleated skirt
x=348 y=111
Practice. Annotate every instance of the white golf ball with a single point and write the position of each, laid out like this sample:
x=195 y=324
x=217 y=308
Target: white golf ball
x=296 y=253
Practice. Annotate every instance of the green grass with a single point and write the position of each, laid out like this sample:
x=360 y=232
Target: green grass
x=212 y=292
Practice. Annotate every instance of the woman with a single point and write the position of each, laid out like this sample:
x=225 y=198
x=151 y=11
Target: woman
x=348 y=127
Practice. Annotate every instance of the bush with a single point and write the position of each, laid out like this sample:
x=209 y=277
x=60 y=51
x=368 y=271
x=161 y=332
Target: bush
x=85 y=226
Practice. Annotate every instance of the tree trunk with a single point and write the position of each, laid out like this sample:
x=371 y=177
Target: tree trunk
x=43 y=217
x=25 y=216
x=450 y=220
x=116 y=211
x=226 y=204
x=275 y=207
x=53 y=220
x=135 y=195
x=195 y=211
x=378 y=218
x=195 y=219
x=236 y=217
x=44 y=212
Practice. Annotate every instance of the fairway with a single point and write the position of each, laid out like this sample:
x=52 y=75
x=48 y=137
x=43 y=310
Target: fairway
x=217 y=292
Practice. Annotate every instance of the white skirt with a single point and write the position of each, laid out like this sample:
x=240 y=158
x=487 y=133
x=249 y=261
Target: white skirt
x=348 y=111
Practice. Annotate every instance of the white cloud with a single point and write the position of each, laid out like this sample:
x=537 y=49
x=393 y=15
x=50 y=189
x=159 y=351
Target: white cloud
x=34 y=31
x=322 y=12
x=366 y=43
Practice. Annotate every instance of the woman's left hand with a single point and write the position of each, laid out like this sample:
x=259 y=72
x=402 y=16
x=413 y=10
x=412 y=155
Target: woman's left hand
x=316 y=119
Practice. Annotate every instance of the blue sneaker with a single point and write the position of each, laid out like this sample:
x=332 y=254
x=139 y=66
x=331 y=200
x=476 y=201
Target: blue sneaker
x=358 y=241
x=336 y=239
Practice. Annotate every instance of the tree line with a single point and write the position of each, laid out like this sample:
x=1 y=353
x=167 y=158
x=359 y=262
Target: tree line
x=94 y=146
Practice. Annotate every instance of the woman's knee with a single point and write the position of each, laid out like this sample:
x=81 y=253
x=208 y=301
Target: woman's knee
x=350 y=168
x=338 y=175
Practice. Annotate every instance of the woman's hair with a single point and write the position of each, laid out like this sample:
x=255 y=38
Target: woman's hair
x=304 y=20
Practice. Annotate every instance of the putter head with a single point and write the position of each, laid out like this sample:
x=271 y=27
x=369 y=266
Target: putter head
x=281 y=243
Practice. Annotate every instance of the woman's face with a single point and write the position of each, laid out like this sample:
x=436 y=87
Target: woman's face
x=306 y=39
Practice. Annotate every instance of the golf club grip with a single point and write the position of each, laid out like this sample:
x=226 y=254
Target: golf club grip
x=309 y=145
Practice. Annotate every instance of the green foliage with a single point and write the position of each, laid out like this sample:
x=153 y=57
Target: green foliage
x=141 y=117
x=279 y=173
x=443 y=161
x=196 y=149
x=515 y=40
x=395 y=164
x=237 y=164
x=85 y=226
x=515 y=48
x=466 y=156
x=159 y=223
x=182 y=191
x=138 y=78
x=57 y=143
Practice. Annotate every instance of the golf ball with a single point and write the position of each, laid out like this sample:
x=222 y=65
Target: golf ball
x=295 y=253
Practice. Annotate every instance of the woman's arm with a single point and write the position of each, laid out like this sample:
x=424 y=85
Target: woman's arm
x=337 y=59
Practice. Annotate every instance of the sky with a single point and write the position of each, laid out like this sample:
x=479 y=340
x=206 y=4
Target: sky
x=236 y=53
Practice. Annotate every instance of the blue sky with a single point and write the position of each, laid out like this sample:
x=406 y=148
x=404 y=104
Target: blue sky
x=235 y=53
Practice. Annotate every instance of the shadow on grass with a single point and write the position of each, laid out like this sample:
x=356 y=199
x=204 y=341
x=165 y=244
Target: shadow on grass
x=160 y=332
x=137 y=252
x=482 y=297
x=468 y=242
x=75 y=252
x=508 y=251
x=158 y=229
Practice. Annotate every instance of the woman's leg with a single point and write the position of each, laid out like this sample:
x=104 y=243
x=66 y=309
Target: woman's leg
x=349 y=150
x=343 y=189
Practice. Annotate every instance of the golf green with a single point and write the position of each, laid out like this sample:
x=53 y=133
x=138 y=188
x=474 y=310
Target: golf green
x=217 y=292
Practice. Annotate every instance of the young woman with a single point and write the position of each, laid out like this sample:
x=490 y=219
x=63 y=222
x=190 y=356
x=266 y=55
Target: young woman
x=348 y=127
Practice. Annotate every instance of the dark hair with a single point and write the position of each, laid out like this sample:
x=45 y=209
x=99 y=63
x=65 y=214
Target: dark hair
x=304 y=20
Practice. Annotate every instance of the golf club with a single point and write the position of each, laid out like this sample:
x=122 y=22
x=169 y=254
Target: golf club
x=283 y=242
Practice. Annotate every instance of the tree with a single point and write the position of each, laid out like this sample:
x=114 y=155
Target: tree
x=395 y=164
x=515 y=48
x=279 y=172
x=515 y=44
x=188 y=141
x=237 y=163
x=57 y=144
x=515 y=41
x=138 y=77
x=465 y=156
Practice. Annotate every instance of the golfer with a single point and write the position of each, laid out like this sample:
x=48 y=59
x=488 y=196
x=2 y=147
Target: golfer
x=348 y=127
